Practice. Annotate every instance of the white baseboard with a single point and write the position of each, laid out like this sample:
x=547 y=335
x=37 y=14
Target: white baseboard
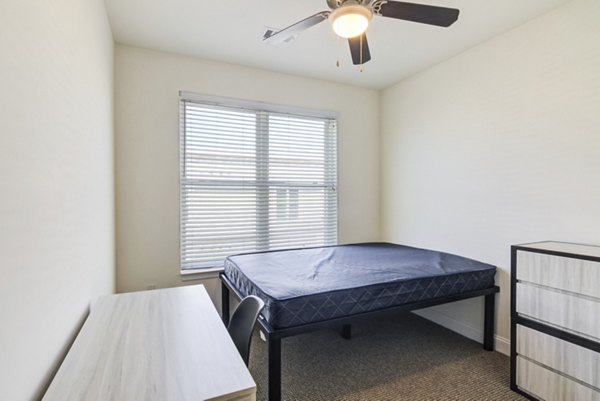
x=501 y=344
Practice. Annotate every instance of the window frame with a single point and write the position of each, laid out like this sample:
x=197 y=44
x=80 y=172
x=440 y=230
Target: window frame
x=257 y=107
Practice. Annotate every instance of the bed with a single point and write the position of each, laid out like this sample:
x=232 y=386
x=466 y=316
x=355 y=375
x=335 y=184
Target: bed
x=318 y=288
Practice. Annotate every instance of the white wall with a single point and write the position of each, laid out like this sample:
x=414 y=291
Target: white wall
x=498 y=146
x=56 y=176
x=147 y=152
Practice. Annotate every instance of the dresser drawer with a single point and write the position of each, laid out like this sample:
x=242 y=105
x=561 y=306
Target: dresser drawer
x=578 y=314
x=574 y=361
x=550 y=386
x=574 y=275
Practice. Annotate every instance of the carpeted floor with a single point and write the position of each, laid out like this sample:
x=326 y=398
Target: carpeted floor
x=401 y=358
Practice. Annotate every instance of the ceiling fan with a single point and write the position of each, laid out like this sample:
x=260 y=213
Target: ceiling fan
x=350 y=19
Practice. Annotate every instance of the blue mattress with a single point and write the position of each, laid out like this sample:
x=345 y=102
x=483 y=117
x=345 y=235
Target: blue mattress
x=308 y=285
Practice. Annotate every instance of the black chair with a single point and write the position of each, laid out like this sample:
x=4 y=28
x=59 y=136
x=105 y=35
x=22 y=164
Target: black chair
x=242 y=324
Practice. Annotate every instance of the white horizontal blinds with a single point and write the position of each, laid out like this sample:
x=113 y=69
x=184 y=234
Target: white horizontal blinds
x=218 y=184
x=254 y=180
x=302 y=182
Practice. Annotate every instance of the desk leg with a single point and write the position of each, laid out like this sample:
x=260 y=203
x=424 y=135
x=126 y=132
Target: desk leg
x=488 y=324
x=225 y=304
x=274 y=369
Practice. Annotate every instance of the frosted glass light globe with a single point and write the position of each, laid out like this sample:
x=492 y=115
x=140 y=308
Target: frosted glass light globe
x=351 y=20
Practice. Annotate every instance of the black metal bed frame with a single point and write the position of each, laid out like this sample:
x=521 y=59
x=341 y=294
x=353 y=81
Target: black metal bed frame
x=274 y=336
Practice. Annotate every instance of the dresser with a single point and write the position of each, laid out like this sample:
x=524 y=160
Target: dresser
x=555 y=321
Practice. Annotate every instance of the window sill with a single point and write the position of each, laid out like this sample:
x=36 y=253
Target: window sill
x=199 y=274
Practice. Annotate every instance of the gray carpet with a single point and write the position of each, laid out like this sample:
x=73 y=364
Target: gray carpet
x=400 y=358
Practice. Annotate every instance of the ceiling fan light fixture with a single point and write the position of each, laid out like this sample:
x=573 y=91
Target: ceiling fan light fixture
x=349 y=21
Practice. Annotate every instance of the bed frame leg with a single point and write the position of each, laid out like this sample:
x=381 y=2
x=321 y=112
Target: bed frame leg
x=274 y=347
x=488 y=324
x=225 y=304
x=347 y=331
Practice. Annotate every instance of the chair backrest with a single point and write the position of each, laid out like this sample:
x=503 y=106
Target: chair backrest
x=242 y=324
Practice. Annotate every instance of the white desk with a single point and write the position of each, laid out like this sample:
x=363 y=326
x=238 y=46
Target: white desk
x=161 y=345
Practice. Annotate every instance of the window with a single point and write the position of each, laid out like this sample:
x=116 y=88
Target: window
x=254 y=177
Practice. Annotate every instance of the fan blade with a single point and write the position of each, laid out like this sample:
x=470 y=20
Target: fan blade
x=293 y=30
x=355 y=48
x=425 y=14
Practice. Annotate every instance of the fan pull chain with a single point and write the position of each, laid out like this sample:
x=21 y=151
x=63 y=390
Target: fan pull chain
x=361 y=53
x=337 y=61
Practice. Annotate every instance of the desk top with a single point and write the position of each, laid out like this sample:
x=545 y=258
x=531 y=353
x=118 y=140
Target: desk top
x=167 y=345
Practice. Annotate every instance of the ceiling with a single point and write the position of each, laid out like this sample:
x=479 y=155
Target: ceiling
x=231 y=31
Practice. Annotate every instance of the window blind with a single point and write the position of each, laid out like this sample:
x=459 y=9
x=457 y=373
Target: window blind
x=254 y=180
